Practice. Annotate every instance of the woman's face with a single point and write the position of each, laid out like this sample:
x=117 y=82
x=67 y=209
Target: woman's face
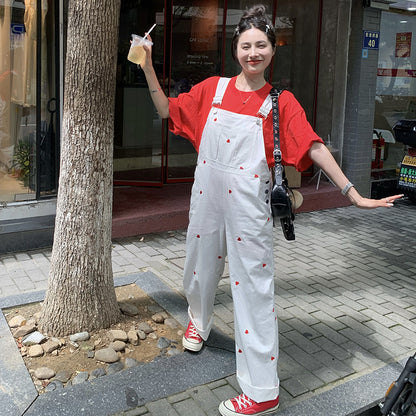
x=254 y=51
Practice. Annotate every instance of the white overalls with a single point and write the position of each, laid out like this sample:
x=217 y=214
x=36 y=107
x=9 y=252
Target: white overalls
x=230 y=215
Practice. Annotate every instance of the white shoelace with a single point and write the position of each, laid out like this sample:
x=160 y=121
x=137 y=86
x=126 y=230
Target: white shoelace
x=243 y=401
x=193 y=333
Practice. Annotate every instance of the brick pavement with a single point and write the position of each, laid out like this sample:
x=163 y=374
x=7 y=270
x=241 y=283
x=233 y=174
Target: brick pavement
x=344 y=296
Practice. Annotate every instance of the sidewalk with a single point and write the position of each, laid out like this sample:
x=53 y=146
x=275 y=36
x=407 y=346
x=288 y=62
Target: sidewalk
x=344 y=295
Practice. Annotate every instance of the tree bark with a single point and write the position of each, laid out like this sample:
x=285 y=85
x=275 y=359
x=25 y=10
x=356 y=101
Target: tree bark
x=80 y=294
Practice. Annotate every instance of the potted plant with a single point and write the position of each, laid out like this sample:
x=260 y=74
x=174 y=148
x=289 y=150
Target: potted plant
x=21 y=160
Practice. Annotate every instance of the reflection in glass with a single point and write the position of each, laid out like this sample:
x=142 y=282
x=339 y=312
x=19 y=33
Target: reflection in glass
x=139 y=130
x=18 y=100
x=196 y=55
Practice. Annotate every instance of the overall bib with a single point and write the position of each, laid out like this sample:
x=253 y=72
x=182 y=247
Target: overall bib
x=230 y=215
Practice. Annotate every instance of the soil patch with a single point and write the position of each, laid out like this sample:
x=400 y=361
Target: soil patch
x=73 y=358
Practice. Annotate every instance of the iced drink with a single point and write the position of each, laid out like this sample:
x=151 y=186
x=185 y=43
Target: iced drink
x=136 y=52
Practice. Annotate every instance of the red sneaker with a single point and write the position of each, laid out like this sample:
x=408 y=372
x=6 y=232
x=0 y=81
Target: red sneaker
x=192 y=341
x=243 y=405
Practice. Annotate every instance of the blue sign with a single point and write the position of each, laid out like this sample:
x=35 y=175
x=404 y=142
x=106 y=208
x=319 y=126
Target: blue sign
x=17 y=28
x=370 y=39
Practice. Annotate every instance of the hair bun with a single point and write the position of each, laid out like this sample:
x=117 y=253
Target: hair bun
x=259 y=10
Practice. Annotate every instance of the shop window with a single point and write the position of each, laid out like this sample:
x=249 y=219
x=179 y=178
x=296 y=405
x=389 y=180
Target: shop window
x=395 y=96
x=28 y=164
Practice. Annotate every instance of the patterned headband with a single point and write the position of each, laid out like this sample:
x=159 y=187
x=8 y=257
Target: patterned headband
x=237 y=31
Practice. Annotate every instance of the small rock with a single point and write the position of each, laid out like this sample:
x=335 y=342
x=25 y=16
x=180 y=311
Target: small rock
x=107 y=355
x=50 y=346
x=74 y=344
x=43 y=373
x=97 y=342
x=55 y=353
x=90 y=354
x=163 y=343
x=131 y=362
x=31 y=321
x=115 y=367
x=24 y=330
x=80 y=377
x=17 y=321
x=128 y=309
x=155 y=308
x=37 y=316
x=62 y=376
x=79 y=336
x=180 y=333
x=173 y=351
x=145 y=327
x=141 y=334
x=98 y=372
x=171 y=323
x=54 y=385
x=35 y=351
x=117 y=345
x=117 y=334
x=86 y=347
x=158 y=318
x=58 y=341
x=133 y=337
x=34 y=338
x=152 y=336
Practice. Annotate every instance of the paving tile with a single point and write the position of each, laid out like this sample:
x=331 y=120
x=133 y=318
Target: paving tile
x=301 y=339
x=178 y=397
x=204 y=398
x=161 y=407
x=294 y=387
x=188 y=408
x=225 y=392
x=305 y=359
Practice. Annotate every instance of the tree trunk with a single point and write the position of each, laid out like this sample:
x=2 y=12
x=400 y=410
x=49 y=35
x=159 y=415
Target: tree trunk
x=81 y=295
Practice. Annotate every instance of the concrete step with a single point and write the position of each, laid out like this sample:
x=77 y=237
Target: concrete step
x=26 y=233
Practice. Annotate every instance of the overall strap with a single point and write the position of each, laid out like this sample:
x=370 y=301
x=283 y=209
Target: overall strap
x=266 y=107
x=219 y=93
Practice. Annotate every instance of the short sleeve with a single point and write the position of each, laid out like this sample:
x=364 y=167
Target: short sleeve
x=296 y=134
x=189 y=111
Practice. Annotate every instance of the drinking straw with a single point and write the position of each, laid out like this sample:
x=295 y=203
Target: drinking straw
x=148 y=33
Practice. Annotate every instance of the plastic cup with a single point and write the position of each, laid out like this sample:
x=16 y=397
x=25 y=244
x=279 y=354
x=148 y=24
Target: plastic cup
x=137 y=53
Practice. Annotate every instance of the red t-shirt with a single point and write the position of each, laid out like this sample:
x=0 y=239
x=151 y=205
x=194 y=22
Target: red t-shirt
x=189 y=111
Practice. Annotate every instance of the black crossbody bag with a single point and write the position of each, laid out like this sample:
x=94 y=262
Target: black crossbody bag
x=281 y=203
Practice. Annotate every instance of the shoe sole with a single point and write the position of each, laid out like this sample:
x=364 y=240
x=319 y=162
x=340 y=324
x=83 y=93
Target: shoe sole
x=227 y=412
x=191 y=346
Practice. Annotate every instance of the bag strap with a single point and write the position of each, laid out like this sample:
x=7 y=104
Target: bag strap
x=277 y=154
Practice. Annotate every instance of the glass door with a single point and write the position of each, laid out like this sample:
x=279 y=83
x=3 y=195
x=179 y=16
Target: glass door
x=197 y=42
x=139 y=131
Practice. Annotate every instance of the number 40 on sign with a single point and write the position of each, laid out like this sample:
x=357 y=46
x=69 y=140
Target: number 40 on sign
x=370 y=39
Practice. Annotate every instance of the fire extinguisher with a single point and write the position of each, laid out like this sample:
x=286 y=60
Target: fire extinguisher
x=375 y=156
x=382 y=146
x=378 y=152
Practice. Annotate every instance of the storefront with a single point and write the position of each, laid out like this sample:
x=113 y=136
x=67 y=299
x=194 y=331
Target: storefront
x=348 y=89
x=191 y=42
x=395 y=93
x=29 y=100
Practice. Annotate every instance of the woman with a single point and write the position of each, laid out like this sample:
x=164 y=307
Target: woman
x=229 y=123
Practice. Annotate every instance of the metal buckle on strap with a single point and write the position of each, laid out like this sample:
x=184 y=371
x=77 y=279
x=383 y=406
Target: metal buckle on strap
x=277 y=155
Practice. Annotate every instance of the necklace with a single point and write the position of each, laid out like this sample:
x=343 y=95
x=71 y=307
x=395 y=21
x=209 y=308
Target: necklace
x=244 y=101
